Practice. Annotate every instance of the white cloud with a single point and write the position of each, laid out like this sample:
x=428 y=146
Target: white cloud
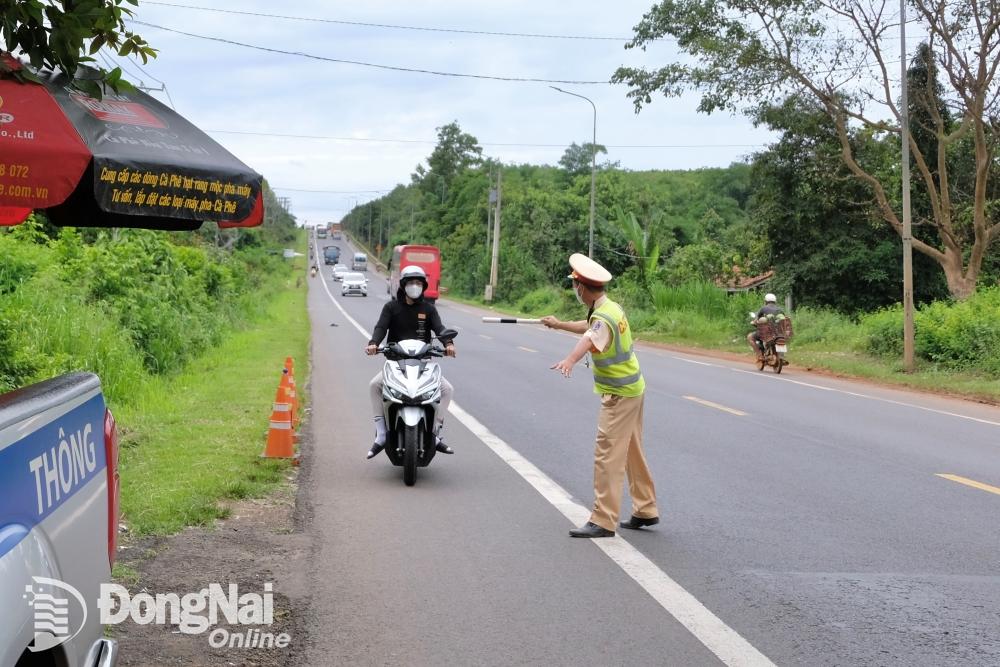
x=220 y=86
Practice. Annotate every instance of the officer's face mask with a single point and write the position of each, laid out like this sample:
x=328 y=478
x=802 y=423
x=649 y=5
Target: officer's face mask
x=576 y=291
x=414 y=290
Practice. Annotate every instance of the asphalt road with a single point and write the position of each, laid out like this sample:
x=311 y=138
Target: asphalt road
x=805 y=520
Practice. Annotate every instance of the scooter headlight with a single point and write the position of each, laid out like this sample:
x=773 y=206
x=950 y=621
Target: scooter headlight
x=394 y=394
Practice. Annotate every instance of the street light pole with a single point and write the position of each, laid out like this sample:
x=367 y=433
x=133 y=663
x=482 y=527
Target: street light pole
x=593 y=166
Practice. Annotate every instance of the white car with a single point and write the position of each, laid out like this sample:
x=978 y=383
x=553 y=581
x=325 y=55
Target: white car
x=354 y=283
x=339 y=270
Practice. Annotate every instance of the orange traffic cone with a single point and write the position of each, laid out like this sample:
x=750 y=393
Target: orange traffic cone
x=287 y=385
x=279 y=435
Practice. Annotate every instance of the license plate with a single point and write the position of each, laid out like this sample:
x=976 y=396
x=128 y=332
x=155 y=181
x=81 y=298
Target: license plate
x=781 y=348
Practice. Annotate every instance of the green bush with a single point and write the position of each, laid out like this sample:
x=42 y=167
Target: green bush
x=123 y=305
x=882 y=332
x=963 y=335
x=544 y=300
x=821 y=325
x=709 y=302
x=18 y=263
x=58 y=332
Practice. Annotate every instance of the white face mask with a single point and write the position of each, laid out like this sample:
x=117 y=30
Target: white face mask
x=414 y=290
x=579 y=297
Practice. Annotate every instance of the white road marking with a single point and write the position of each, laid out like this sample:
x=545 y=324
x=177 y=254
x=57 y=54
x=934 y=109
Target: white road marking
x=868 y=397
x=526 y=349
x=486 y=337
x=717 y=406
x=719 y=638
x=727 y=644
x=692 y=361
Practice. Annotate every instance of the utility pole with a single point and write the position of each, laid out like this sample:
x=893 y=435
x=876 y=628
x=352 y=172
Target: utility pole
x=371 y=205
x=907 y=229
x=492 y=287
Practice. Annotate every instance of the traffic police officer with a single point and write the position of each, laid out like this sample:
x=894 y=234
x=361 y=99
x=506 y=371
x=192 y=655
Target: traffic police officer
x=617 y=379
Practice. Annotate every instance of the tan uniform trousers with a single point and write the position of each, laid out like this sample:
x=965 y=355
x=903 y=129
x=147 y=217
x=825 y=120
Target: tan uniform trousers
x=619 y=452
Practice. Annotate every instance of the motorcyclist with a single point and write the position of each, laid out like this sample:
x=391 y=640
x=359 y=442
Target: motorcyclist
x=409 y=316
x=770 y=307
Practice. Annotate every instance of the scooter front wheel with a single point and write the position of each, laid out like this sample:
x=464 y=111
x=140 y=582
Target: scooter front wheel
x=410 y=436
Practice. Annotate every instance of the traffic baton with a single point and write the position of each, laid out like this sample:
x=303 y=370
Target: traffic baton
x=510 y=320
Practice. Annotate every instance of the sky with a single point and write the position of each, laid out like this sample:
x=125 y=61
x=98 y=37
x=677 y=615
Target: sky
x=247 y=98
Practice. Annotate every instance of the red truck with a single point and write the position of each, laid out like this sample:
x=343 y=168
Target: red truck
x=426 y=257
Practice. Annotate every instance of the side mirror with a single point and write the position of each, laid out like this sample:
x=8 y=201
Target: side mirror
x=447 y=335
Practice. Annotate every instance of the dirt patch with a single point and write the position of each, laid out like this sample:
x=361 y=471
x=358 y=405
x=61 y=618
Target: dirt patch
x=260 y=542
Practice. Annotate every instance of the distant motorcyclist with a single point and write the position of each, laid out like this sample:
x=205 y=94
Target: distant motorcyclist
x=409 y=316
x=770 y=307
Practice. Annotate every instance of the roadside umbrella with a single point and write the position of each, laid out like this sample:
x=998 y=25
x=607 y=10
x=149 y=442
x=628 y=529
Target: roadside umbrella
x=125 y=160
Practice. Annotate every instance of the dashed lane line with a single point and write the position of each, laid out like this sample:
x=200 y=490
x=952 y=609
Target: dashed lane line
x=970 y=482
x=717 y=406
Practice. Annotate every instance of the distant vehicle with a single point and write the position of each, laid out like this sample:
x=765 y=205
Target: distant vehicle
x=339 y=270
x=354 y=283
x=335 y=230
x=360 y=262
x=426 y=257
x=331 y=254
x=321 y=232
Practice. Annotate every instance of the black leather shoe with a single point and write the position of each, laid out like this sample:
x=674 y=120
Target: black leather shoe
x=374 y=451
x=443 y=448
x=591 y=530
x=637 y=522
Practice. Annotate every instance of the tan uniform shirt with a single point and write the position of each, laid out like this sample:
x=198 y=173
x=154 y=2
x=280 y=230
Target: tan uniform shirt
x=598 y=333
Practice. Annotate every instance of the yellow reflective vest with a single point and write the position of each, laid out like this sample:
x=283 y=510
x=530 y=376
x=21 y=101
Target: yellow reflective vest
x=616 y=371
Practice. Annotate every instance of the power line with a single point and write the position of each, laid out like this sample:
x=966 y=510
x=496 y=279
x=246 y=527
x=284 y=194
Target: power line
x=484 y=143
x=311 y=19
x=366 y=64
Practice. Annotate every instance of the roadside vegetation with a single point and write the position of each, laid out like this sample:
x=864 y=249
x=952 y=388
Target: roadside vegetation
x=792 y=216
x=188 y=332
x=958 y=344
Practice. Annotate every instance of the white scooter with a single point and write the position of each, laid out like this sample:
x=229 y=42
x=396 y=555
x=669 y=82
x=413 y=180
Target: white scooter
x=411 y=397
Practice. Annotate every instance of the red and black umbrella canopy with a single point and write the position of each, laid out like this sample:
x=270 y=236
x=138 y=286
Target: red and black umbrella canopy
x=125 y=160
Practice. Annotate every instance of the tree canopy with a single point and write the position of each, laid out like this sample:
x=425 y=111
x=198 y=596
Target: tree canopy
x=577 y=159
x=63 y=36
x=744 y=55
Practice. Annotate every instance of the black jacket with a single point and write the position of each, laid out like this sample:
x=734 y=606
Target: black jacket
x=402 y=321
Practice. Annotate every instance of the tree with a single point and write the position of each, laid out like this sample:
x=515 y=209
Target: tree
x=749 y=54
x=55 y=35
x=455 y=152
x=644 y=251
x=577 y=159
x=827 y=245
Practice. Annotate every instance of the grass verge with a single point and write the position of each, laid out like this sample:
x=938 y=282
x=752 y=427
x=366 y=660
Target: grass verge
x=194 y=439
